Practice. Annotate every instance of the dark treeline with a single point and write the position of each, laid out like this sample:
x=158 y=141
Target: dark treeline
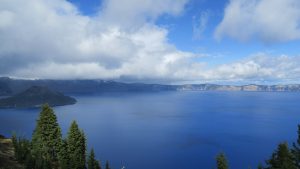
x=49 y=150
x=283 y=157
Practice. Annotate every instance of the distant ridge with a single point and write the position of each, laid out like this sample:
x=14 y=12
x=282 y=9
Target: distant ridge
x=10 y=86
x=4 y=86
x=36 y=96
x=251 y=87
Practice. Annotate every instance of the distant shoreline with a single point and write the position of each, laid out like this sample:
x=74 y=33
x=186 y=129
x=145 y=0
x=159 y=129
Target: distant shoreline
x=10 y=87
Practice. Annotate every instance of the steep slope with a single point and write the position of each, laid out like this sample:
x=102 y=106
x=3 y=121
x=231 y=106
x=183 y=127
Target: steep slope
x=35 y=96
x=4 y=87
x=7 y=159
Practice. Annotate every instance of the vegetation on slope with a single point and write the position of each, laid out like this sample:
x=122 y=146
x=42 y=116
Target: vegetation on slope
x=7 y=155
x=36 y=96
x=49 y=150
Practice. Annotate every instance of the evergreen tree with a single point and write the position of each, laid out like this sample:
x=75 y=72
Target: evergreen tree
x=97 y=165
x=82 y=148
x=46 y=139
x=92 y=162
x=63 y=156
x=222 y=161
x=29 y=161
x=296 y=149
x=107 y=165
x=14 y=141
x=260 y=166
x=22 y=148
x=49 y=151
x=282 y=158
x=76 y=147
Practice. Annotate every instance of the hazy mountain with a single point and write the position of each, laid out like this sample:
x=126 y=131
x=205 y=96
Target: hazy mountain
x=35 y=96
x=82 y=86
x=4 y=87
x=252 y=87
x=10 y=86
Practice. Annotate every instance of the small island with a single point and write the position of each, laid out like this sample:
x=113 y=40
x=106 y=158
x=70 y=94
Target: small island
x=36 y=96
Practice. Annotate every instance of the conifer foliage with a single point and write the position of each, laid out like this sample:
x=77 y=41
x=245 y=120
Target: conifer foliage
x=282 y=158
x=64 y=157
x=76 y=147
x=46 y=139
x=48 y=150
x=296 y=149
x=92 y=162
x=222 y=161
x=107 y=165
x=22 y=148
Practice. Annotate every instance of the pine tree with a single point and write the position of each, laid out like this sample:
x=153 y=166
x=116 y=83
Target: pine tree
x=29 y=161
x=92 y=162
x=222 y=161
x=107 y=165
x=282 y=158
x=63 y=156
x=260 y=166
x=46 y=139
x=76 y=147
x=97 y=165
x=296 y=149
x=82 y=148
x=14 y=141
x=22 y=148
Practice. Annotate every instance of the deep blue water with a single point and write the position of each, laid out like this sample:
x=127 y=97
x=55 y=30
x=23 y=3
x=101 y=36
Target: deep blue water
x=175 y=130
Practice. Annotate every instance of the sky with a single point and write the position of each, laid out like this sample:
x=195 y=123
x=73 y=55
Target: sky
x=152 y=41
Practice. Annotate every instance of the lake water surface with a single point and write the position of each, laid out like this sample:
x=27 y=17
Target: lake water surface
x=175 y=130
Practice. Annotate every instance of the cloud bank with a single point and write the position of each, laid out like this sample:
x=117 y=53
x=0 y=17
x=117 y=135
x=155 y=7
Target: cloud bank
x=263 y=20
x=52 y=39
x=259 y=68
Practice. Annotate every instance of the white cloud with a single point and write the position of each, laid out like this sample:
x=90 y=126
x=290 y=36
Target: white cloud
x=51 y=39
x=134 y=13
x=200 y=24
x=265 y=20
x=258 y=68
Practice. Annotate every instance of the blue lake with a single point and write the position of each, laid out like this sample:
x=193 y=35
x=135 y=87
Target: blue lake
x=175 y=130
